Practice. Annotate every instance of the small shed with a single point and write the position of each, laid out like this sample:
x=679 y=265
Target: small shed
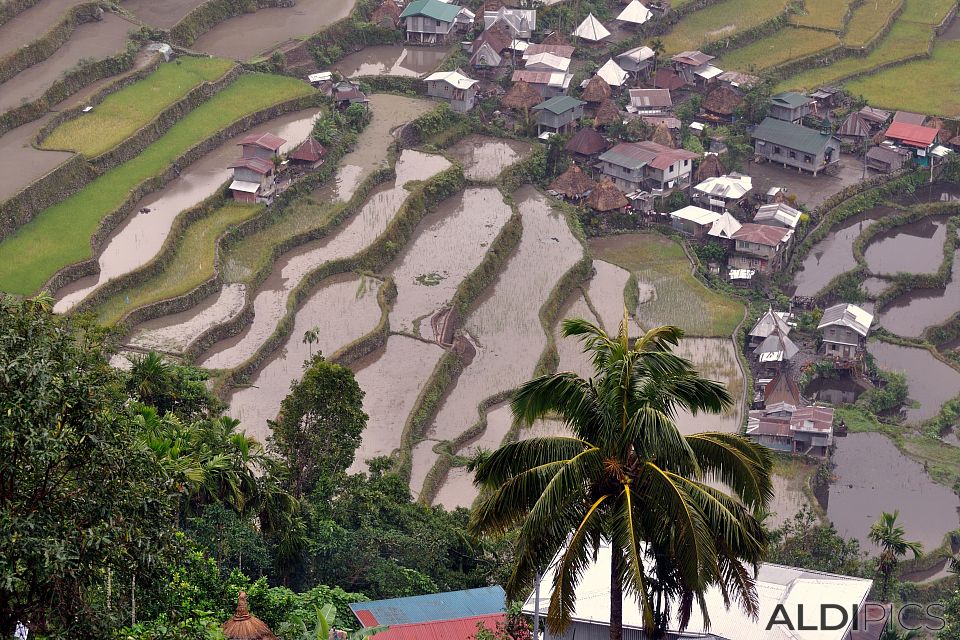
x=310 y=152
x=612 y=73
x=454 y=87
x=244 y=626
x=694 y=220
x=591 y=30
x=558 y=114
x=586 y=144
x=606 y=197
x=573 y=183
x=636 y=60
x=778 y=214
x=886 y=159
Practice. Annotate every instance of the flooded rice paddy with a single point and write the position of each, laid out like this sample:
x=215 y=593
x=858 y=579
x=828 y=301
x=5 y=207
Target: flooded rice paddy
x=788 y=499
x=141 y=237
x=605 y=290
x=161 y=13
x=21 y=163
x=570 y=355
x=270 y=303
x=715 y=359
x=250 y=34
x=871 y=476
x=483 y=157
x=30 y=24
x=834 y=254
x=174 y=333
x=91 y=40
x=931 y=381
x=457 y=490
x=391 y=61
x=913 y=248
x=910 y=314
x=341 y=309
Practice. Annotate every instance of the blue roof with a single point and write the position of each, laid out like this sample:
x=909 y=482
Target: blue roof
x=432 y=607
x=432 y=9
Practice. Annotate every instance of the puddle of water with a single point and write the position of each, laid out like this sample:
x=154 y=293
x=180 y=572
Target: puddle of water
x=931 y=382
x=142 y=235
x=910 y=314
x=605 y=291
x=21 y=163
x=457 y=490
x=343 y=308
x=873 y=476
x=163 y=14
x=715 y=359
x=391 y=380
x=483 y=158
x=834 y=254
x=391 y=61
x=175 y=332
x=427 y=272
x=370 y=152
x=270 y=303
x=92 y=40
x=30 y=24
x=250 y=34
x=912 y=248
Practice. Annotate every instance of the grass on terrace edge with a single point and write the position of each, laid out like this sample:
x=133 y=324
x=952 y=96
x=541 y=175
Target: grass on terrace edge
x=823 y=14
x=191 y=265
x=718 y=21
x=123 y=113
x=681 y=299
x=785 y=45
x=60 y=235
x=867 y=21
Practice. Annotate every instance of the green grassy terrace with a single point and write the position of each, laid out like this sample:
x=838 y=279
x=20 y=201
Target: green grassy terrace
x=60 y=235
x=123 y=113
x=785 y=45
x=724 y=19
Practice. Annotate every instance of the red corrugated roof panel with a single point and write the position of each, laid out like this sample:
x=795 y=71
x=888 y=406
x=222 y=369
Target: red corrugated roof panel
x=459 y=629
x=264 y=140
x=913 y=134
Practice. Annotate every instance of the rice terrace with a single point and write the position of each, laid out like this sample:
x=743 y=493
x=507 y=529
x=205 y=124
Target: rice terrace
x=342 y=237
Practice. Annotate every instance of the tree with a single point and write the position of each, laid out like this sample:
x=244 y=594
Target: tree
x=170 y=387
x=319 y=426
x=805 y=542
x=890 y=536
x=756 y=102
x=82 y=502
x=628 y=476
x=311 y=337
x=658 y=49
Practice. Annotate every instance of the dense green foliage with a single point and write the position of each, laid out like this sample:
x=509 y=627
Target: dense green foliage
x=807 y=543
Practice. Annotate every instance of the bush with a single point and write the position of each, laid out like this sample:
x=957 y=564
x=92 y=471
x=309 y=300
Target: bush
x=891 y=394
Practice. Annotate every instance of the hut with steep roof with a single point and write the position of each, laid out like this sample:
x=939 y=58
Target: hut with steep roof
x=596 y=91
x=386 y=15
x=721 y=103
x=573 y=183
x=244 y=626
x=586 y=144
x=662 y=136
x=607 y=113
x=606 y=197
x=710 y=167
x=310 y=152
x=521 y=97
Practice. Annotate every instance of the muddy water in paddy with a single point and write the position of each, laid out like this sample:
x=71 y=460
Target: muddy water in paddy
x=20 y=163
x=715 y=359
x=834 y=254
x=270 y=303
x=936 y=192
x=391 y=61
x=788 y=499
x=873 y=476
x=370 y=152
x=342 y=309
x=174 y=333
x=449 y=244
x=508 y=335
x=161 y=13
x=605 y=292
x=910 y=314
x=457 y=490
x=931 y=382
x=391 y=379
x=141 y=237
x=95 y=40
x=250 y=34
x=484 y=158
x=913 y=248
x=32 y=23
x=570 y=350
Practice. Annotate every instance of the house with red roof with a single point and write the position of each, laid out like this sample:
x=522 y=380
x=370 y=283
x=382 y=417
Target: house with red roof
x=919 y=139
x=648 y=166
x=254 y=173
x=803 y=430
x=761 y=247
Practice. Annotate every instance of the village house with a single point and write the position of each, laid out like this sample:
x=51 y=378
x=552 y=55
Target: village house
x=793 y=145
x=790 y=106
x=586 y=144
x=454 y=87
x=876 y=117
x=920 y=140
x=777 y=391
x=721 y=104
x=558 y=114
x=612 y=74
x=635 y=14
x=723 y=229
x=607 y=114
x=805 y=430
x=760 y=247
x=768 y=323
x=254 y=173
x=738 y=80
x=827 y=98
x=694 y=67
x=606 y=197
x=636 y=166
x=346 y=93
x=591 y=30
x=667 y=78
x=637 y=60
x=844 y=328
x=546 y=62
x=855 y=130
x=309 y=153
x=650 y=102
x=559 y=50
x=547 y=83
x=907 y=117
x=573 y=184
x=776 y=349
x=724 y=191
x=522 y=22
x=452 y=615
x=778 y=214
x=491 y=47
x=596 y=91
x=693 y=220
x=886 y=158
x=433 y=21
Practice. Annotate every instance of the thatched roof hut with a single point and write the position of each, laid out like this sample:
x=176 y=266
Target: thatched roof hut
x=710 y=167
x=662 y=135
x=607 y=113
x=586 y=142
x=597 y=90
x=387 y=14
x=521 y=96
x=573 y=183
x=722 y=102
x=243 y=626
x=606 y=197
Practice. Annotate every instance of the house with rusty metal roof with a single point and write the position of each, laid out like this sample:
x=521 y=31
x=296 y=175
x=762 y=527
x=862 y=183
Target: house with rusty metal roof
x=793 y=145
x=638 y=166
x=547 y=83
x=844 y=328
x=760 y=246
x=650 y=102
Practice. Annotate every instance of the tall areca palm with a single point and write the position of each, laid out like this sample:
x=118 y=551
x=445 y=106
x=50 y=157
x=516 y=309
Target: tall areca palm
x=890 y=536
x=627 y=476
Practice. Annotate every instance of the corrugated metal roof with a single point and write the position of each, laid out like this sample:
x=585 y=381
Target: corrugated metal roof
x=460 y=629
x=432 y=607
x=790 y=99
x=432 y=9
x=559 y=104
x=792 y=136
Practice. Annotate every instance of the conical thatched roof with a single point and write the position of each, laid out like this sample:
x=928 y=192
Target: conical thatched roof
x=243 y=626
x=587 y=142
x=606 y=197
x=387 y=13
x=573 y=182
x=722 y=101
x=521 y=96
x=710 y=167
x=607 y=113
x=597 y=90
x=662 y=135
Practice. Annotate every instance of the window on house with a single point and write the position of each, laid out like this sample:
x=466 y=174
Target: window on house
x=777 y=150
x=793 y=154
x=807 y=159
x=439 y=23
x=686 y=163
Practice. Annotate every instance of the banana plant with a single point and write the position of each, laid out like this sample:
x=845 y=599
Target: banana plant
x=325 y=630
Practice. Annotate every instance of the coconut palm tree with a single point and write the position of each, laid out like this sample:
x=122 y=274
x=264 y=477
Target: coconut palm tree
x=628 y=477
x=311 y=337
x=150 y=377
x=890 y=536
x=657 y=47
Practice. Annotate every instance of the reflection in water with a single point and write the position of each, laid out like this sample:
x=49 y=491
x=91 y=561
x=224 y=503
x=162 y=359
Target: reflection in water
x=174 y=333
x=391 y=61
x=483 y=157
x=911 y=248
x=910 y=314
x=931 y=382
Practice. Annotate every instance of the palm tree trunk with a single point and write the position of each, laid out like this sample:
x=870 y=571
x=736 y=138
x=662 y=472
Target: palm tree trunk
x=616 y=594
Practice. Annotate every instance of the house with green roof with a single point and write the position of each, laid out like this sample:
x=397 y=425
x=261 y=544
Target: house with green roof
x=790 y=106
x=796 y=146
x=433 y=21
x=559 y=114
